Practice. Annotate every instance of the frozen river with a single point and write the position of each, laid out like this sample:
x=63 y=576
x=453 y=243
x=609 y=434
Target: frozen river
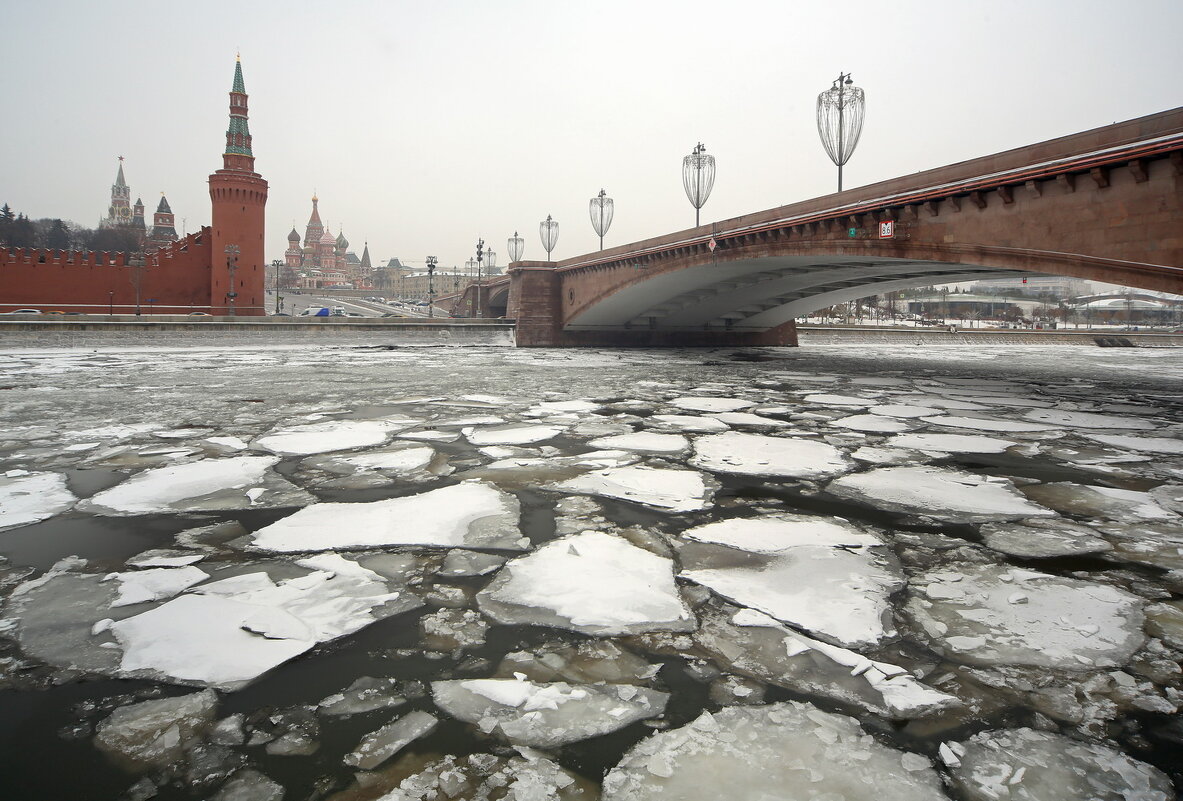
x=835 y=572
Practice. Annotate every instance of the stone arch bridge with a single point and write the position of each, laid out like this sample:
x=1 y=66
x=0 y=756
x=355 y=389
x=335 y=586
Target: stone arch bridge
x=1105 y=205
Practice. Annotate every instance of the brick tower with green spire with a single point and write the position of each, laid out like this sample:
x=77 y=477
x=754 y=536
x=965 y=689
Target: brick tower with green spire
x=239 y=196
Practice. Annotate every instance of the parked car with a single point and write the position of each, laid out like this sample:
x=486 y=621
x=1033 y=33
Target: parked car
x=25 y=311
x=315 y=311
x=199 y=314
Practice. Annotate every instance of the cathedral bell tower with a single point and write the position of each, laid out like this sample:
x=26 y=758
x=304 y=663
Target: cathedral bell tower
x=238 y=195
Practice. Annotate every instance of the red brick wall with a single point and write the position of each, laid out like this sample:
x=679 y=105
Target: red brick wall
x=175 y=277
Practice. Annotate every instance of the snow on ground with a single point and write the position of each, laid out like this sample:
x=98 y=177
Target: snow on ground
x=937 y=492
x=999 y=615
x=1029 y=765
x=593 y=583
x=756 y=454
x=471 y=514
x=546 y=715
x=334 y=435
x=205 y=485
x=672 y=490
x=31 y=497
x=828 y=579
x=757 y=753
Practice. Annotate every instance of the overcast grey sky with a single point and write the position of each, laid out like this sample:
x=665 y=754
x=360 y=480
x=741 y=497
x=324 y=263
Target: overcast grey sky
x=425 y=125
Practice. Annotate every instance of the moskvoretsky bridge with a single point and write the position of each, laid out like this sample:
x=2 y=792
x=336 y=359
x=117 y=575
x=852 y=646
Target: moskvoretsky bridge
x=1105 y=205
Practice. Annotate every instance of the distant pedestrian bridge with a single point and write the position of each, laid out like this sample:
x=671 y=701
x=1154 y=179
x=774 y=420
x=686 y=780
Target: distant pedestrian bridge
x=1104 y=205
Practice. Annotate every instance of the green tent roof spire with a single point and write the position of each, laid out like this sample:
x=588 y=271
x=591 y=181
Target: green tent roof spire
x=239 y=86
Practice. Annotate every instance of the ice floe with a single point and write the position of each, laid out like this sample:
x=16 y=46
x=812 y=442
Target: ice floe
x=227 y=633
x=689 y=423
x=987 y=424
x=709 y=404
x=1096 y=501
x=872 y=424
x=155 y=584
x=1088 y=420
x=754 y=644
x=1043 y=539
x=828 y=578
x=826 y=399
x=512 y=434
x=381 y=744
x=756 y=454
x=155 y=734
x=938 y=492
x=1028 y=765
x=950 y=443
x=205 y=485
x=594 y=583
x=645 y=442
x=471 y=514
x=335 y=435
x=529 y=777
x=546 y=715
x=673 y=490
x=1165 y=445
x=756 y=753
x=998 y=615
x=31 y=497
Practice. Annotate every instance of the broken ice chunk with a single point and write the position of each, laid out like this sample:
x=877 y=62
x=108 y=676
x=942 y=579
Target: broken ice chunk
x=139 y=586
x=757 y=454
x=155 y=734
x=981 y=625
x=644 y=442
x=1026 y=764
x=675 y=490
x=547 y=715
x=937 y=492
x=758 y=752
x=472 y=514
x=380 y=745
x=335 y=435
x=1043 y=539
x=32 y=497
x=608 y=586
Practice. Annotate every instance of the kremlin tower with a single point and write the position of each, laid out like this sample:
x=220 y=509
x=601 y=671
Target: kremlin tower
x=238 y=195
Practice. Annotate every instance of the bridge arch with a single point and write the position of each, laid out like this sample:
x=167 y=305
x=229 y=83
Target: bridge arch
x=1104 y=205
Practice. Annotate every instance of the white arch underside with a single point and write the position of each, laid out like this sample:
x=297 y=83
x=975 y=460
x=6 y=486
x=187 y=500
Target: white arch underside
x=758 y=294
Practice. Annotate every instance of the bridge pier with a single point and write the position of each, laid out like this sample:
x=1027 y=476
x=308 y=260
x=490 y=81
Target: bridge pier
x=536 y=293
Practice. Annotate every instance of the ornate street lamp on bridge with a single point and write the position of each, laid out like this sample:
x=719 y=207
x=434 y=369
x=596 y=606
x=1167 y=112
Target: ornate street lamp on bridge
x=480 y=248
x=431 y=262
x=277 y=265
x=548 y=230
x=698 y=177
x=601 y=214
x=840 y=111
x=516 y=246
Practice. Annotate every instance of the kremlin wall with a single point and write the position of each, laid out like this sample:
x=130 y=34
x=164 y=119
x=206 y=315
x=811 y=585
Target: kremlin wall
x=218 y=270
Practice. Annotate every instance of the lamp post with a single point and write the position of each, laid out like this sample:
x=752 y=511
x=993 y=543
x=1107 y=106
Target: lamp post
x=232 y=252
x=548 y=229
x=431 y=262
x=111 y=302
x=136 y=262
x=490 y=262
x=840 y=111
x=480 y=248
x=601 y=214
x=698 y=177
x=516 y=246
x=277 y=265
